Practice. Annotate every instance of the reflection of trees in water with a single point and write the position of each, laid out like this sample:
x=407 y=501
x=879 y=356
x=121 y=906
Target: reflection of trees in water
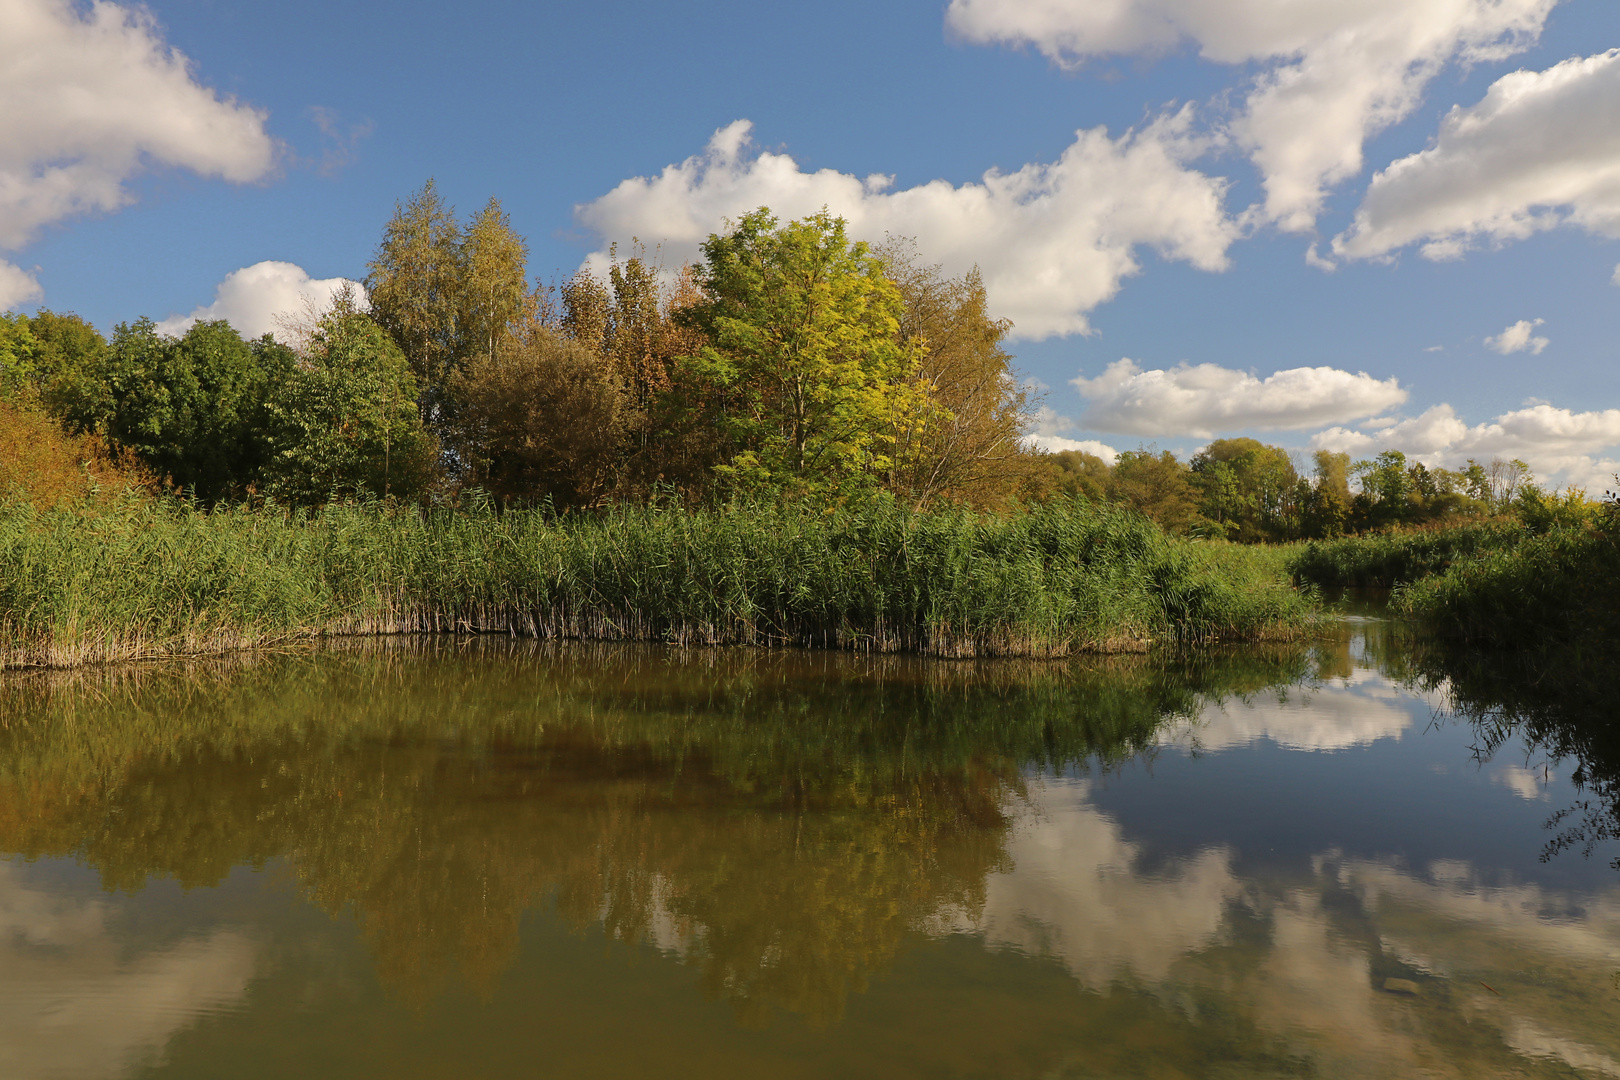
x=1558 y=702
x=780 y=819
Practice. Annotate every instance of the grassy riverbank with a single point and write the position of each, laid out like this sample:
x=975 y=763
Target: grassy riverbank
x=1555 y=591
x=1492 y=584
x=148 y=578
x=1384 y=560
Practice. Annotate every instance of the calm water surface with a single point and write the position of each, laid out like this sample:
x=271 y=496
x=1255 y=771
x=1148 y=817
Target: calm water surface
x=493 y=859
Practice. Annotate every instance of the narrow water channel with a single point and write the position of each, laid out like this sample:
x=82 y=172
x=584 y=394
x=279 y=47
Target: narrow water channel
x=487 y=858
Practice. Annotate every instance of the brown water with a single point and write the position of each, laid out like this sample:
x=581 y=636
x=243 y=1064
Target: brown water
x=492 y=859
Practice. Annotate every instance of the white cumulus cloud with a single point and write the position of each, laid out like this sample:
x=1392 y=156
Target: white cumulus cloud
x=92 y=95
x=1057 y=444
x=1541 y=149
x=250 y=299
x=1520 y=337
x=1328 y=74
x=17 y=286
x=1053 y=240
x=1205 y=399
x=1561 y=446
x=1051 y=432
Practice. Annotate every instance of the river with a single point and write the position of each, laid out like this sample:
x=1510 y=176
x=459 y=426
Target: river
x=493 y=858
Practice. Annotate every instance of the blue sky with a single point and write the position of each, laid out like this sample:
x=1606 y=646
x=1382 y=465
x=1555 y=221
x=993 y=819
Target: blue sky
x=296 y=127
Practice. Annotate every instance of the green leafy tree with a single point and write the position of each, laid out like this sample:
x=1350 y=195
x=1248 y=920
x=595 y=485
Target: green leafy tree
x=1423 y=485
x=19 y=357
x=1475 y=482
x=1386 y=489
x=1543 y=511
x=1158 y=485
x=414 y=285
x=1080 y=473
x=541 y=419
x=70 y=370
x=344 y=422
x=809 y=380
x=192 y=409
x=222 y=449
x=1249 y=488
x=1325 y=504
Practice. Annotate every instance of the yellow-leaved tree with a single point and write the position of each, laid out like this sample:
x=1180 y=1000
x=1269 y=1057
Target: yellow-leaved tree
x=447 y=293
x=807 y=376
x=969 y=445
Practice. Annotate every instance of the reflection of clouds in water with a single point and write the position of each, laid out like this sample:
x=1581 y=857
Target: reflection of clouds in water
x=1075 y=892
x=1558 y=944
x=1079 y=893
x=1527 y=784
x=666 y=931
x=1353 y=711
x=1316 y=987
x=1531 y=1041
x=1524 y=917
x=74 y=1004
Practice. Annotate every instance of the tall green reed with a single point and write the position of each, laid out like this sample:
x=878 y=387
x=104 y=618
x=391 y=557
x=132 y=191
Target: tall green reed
x=1556 y=591
x=1383 y=560
x=154 y=578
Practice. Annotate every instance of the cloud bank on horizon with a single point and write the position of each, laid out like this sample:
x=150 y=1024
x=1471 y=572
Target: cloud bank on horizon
x=1207 y=400
x=1202 y=400
x=1555 y=442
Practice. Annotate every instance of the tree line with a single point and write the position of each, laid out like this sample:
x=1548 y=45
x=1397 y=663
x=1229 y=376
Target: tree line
x=790 y=361
x=1242 y=489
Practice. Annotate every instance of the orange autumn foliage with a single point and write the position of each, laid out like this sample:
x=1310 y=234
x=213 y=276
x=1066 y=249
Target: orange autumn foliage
x=42 y=464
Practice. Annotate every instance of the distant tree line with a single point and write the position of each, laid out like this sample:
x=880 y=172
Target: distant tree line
x=1244 y=490
x=790 y=361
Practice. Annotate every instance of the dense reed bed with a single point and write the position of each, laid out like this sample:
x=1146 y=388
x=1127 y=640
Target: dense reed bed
x=1383 y=560
x=1559 y=590
x=1549 y=594
x=149 y=578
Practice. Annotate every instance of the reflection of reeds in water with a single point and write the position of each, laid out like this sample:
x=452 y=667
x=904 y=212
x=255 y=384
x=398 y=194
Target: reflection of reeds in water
x=147 y=580
x=782 y=818
x=784 y=821
x=1557 y=703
